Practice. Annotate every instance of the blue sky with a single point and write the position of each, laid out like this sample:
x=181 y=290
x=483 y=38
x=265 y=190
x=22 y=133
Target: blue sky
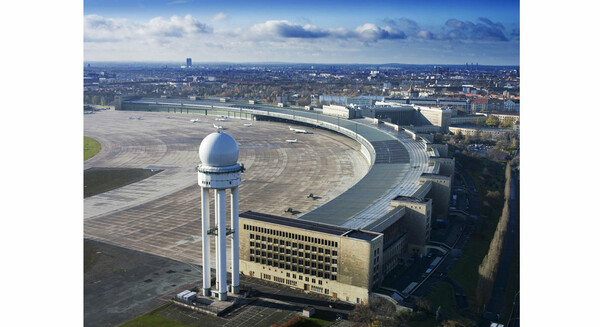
x=413 y=32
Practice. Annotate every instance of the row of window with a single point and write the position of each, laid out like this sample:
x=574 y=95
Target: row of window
x=294 y=236
x=281 y=243
x=295 y=256
x=301 y=269
x=276 y=253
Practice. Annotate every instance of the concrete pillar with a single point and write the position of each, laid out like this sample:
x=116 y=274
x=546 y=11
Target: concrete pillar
x=217 y=255
x=222 y=217
x=235 y=242
x=205 y=243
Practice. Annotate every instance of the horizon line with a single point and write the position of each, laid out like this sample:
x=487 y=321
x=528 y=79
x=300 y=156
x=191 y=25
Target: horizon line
x=182 y=63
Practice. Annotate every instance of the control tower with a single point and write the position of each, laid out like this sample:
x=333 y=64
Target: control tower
x=219 y=171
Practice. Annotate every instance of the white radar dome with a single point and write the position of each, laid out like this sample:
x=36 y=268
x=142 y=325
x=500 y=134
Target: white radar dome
x=219 y=149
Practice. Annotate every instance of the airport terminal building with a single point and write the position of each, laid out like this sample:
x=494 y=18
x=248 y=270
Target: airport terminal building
x=344 y=248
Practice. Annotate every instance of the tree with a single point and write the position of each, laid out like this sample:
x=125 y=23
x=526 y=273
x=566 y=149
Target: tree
x=507 y=123
x=492 y=121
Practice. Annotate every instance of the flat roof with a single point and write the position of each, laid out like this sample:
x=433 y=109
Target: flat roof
x=409 y=199
x=310 y=226
x=295 y=223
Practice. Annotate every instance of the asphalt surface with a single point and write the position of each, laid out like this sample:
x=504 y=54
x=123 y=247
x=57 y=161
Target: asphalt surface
x=122 y=284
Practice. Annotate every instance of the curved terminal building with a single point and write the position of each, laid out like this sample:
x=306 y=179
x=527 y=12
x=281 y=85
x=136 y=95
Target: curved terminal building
x=345 y=247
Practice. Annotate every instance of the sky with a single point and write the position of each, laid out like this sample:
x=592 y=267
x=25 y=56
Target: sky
x=370 y=32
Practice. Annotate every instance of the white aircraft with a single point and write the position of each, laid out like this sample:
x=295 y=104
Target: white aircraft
x=139 y=118
x=292 y=141
x=248 y=125
x=217 y=126
x=298 y=130
x=222 y=118
x=194 y=120
x=169 y=117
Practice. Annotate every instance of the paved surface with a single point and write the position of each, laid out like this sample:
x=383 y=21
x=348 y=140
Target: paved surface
x=161 y=215
x=122 y=284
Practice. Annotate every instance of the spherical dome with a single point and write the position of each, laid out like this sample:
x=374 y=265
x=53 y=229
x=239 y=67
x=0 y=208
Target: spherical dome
x=219 y=149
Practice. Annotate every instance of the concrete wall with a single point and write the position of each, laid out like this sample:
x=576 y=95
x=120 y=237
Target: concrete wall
x=417 y=222
x=356 y=261
x=440 y=193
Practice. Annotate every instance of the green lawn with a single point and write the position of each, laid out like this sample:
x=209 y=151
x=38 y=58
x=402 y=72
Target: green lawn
x=488 y=176
x=90 y=147
x=151 y=319
x=443 y=295
x=319 y=319
x=100 y=180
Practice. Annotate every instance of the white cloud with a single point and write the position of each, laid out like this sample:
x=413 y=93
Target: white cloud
x=220 y=17
x=100 y=29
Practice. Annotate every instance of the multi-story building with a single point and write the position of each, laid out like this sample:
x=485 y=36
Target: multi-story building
x=334 y=261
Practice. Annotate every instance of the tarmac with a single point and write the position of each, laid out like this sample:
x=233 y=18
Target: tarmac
x=162 y=214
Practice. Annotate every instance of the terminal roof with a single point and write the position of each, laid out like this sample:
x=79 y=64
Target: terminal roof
x=310 y=226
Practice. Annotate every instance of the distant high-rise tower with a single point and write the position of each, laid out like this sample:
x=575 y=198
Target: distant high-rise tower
x=188 y=63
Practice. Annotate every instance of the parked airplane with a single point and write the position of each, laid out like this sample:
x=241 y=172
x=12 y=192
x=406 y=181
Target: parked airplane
x=298 y=130
x=217 y=126
x=292 y=141
x=222 y=118
x=169 y=117
x=248 y=125
x=194 y=120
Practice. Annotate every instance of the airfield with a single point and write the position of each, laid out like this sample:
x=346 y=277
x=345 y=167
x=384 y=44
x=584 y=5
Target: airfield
x=161 y=215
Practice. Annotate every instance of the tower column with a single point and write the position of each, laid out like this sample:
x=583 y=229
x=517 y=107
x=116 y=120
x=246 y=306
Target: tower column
x=222 y=217
x=235 y=242
x=217 y=255
x=205 y=243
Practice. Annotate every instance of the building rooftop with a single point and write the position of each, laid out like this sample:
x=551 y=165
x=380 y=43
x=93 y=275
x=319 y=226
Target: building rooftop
x=309 y=225
x=409 y=199
x=295 y=223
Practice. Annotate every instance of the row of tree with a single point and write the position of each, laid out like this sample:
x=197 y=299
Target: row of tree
x=489 y=266
x=493 y=121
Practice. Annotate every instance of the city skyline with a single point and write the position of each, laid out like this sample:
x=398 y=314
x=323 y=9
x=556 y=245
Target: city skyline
x=431 y=32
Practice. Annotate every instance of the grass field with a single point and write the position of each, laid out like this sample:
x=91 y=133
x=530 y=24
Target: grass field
x=90 y=147
x=89 y=255
x=443 y=295
x=151 y=319
x=100 y=180
x=488 y=176
x=319 y=319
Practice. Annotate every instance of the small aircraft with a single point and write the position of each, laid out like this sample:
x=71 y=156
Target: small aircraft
x=248 y=125
x=217 y=126
x=298 y=130
x=222 y=118
x=168 y=117
x=194 y=120
x=292 y=141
